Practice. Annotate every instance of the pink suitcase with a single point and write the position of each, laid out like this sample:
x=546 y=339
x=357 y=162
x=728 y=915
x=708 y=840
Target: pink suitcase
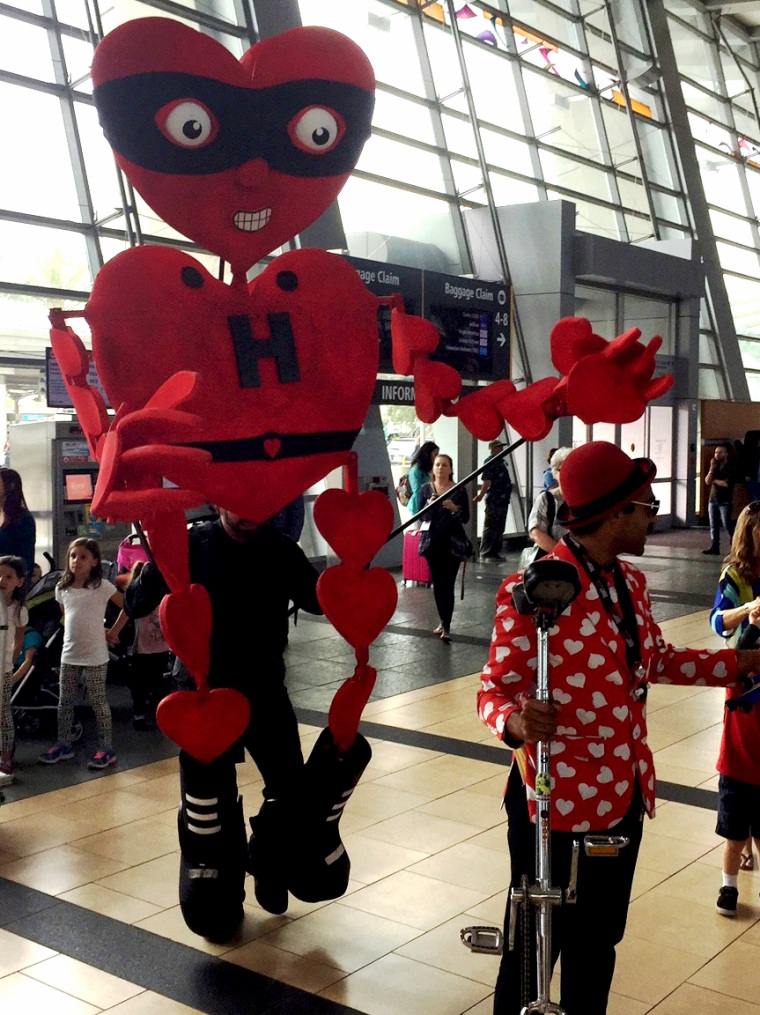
x=414 y=568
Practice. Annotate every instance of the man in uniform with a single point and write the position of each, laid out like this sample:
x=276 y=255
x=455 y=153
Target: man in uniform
x=496 y=487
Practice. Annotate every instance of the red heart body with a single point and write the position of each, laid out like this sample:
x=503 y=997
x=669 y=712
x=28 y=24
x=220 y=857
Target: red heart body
x=274 y=421
x=357 y=603
x=205 y=724
x=355 y=525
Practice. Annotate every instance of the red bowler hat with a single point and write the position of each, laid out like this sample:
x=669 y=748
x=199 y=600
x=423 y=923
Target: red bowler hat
x=597 y=480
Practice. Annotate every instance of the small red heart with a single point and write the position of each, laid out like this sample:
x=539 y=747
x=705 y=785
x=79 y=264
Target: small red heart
x=355 y=525
x=478 y=411
x=526 y=411
x=272 y=447
x=357 y=603
x=599 y=391
x=186 y=624
x=571 y=338
x=434 y=384
x=204 y=723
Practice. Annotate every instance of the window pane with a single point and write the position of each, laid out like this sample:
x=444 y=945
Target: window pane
x=563 y=114
x=651 y=317
x=506 y=152
x=397 y=161
x=736 y=259
x=43 y=256
x=507 y=191
x=750 y=354
x=24 y=50
x=701 y=102
x=37 y=178
x=492 y=81
x=720 y=178
x=575 y=176
x=744 y=296
x=695 y=58
x=591 y=218
x=634 y=197
x=403 y=117
x=711 y=384
x=550 y=21
x=99 y=162
x=372 y=207
x=658 y=154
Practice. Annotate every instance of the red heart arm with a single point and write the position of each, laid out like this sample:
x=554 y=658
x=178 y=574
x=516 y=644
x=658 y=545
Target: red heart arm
x=571 y=338
x=348 y=704
x=151 y=426
x=174 y=390
x=479 y=412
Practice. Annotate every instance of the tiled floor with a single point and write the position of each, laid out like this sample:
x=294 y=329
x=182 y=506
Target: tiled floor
x=89 y=920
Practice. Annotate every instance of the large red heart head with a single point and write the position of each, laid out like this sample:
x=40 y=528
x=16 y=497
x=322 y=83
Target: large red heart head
x=237 y=155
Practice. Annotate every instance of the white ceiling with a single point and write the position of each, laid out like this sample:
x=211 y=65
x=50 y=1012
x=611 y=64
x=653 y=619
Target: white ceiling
x=746 y=11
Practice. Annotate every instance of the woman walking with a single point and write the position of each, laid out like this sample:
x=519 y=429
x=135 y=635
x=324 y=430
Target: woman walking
x=444 y=542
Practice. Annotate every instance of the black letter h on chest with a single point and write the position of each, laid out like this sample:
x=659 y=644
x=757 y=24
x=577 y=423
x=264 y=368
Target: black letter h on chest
x=280 y=346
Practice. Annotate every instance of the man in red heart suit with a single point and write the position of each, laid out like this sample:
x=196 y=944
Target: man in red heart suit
x=604 y=652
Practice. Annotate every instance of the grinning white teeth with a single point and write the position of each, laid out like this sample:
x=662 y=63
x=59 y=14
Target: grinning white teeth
x=252 y=221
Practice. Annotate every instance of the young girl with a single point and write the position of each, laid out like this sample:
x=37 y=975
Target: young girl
x=83 y=594
x=13 y=617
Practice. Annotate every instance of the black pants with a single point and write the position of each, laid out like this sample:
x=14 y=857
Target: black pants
x=146 y=680
x=584 y=934
x=443 y=571
x=493 y=527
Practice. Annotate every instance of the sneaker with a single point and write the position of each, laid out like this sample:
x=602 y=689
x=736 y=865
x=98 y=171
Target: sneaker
x=727 y=899
x=711 y=552
x=56 y=753
x=102 y=759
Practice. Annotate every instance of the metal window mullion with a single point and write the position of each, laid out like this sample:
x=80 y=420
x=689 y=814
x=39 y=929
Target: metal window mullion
x=439 y=134
x=73 y=140
x=492 y=210
x=599 y=125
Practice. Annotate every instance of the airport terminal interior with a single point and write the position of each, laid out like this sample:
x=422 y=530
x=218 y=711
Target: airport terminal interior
x=529 y=160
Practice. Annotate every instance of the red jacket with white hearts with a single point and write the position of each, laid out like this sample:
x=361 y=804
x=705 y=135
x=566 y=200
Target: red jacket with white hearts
x=601 y=744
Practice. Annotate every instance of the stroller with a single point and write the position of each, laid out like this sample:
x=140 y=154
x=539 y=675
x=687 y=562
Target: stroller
x=35 y=698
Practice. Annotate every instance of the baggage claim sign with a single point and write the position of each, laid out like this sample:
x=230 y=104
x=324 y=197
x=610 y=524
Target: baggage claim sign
x=472 y=316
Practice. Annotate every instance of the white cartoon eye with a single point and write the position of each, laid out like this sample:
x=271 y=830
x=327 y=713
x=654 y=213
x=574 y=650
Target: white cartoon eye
x=187 y=123
x=316 y=130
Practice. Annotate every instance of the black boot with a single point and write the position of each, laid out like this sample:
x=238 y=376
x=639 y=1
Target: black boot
x=320 y=865
x=212 y=841
x=269 y=850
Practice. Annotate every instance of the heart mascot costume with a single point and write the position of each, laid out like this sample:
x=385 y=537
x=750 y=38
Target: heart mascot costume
x=244 y=395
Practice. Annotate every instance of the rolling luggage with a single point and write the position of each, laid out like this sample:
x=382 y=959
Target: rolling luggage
x=414 y=568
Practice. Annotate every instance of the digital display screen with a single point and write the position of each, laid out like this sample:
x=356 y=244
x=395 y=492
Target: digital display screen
x=466 y=339
x=78 y=486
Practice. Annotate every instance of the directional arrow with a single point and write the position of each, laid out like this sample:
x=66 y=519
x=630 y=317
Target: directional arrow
x=502 y=338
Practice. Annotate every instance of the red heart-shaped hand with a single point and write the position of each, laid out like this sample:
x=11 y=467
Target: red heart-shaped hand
x=204 y=723
x=600 y=391
x=357 y=603
x=223 y=150
x=571 y=338
x=355 y=525
x=275 y=422
x=186 y=624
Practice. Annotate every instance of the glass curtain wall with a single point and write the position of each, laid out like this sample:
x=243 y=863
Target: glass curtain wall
x=478 y=104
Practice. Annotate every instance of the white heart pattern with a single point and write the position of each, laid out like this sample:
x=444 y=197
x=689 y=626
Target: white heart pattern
x=620 y=712
x=587 y=628
x=720 y=670
x=606 y=731
x=595 y=661
x=521 y=642
x=604 y=808
x=565 y=771
x=689 y=669
x=587 y=791
x=561 y=697
x=596 y=750
x=598 y=700
x=576 y=679
x=622 y=751
x=585 y=716
x=615 y=678
x=621 y=787
x=582 y=827
x=565 y=806
x=573 y=647
x=605 y=774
